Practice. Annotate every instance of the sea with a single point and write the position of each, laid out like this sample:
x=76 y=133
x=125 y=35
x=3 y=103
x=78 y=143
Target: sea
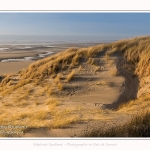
x=49 y=39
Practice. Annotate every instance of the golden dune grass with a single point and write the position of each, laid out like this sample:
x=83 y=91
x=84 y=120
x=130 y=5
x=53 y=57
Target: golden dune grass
x=136 y=52
x=49 y=115
x=136 y=105
x=28 y=110
x=71 y=75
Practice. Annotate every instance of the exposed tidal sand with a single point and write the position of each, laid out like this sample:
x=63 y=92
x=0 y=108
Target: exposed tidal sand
x=13 y=67
x=30 y=51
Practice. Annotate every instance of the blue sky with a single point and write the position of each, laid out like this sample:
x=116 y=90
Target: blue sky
x=117 y=25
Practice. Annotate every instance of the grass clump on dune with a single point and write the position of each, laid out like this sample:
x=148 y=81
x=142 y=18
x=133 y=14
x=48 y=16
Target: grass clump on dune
x=64 y=118
x=138 y=126
x=136 y=52
x=76 y=59
x=5 y=80
x=50 y=90
x=70 y=75
x=58 y=82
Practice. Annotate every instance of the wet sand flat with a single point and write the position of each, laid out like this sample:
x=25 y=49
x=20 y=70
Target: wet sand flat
x=17 y=52
x=13 y=67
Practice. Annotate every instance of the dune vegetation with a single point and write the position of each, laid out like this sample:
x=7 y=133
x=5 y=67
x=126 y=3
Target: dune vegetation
x=138 y=126
x=34 y=96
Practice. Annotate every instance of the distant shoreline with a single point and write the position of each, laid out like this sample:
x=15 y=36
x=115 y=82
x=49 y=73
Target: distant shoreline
x=16 y=57
x=8 y=51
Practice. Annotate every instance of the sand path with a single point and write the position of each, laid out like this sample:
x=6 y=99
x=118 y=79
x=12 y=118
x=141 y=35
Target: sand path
x=129 y=88
x=94 y=91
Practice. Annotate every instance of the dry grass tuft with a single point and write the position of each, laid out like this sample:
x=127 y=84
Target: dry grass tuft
x=60 y=86
x=71 y=75
x=52 y=103
x=80 y=68
x=76 y=59
x=91 y=61
x=64 y=118
x=138 y=126
x=58 y=82
x=5 y=80
x=136 y=104
x=57 y=78
x=50 y=90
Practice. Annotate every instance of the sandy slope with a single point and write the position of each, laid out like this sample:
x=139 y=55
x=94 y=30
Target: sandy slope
x=91 y=90
x=129 y=88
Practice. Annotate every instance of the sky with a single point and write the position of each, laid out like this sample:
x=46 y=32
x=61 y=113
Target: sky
x=104 y=25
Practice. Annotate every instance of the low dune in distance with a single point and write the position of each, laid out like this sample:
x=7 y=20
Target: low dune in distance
x=61 y=95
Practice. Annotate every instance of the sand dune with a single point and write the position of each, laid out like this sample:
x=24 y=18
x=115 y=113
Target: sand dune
x=59 y=96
